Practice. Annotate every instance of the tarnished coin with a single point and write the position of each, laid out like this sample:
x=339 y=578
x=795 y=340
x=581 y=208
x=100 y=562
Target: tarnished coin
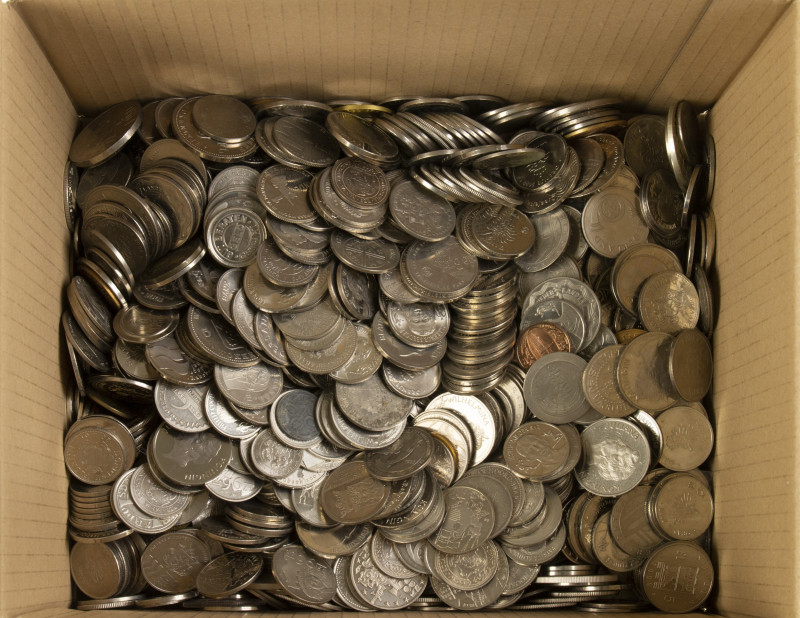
x=681 y=506
x=228 y=574
x=662 y=202
x=350 y=495
x=361 y=139
x=632 y=268
x=182 y=407
x=106 y=134
x=303 y=575
x=154 y=499
x=475 y=599
x=421 y=213
x=174 y=365
x=98 y=449
x=138 y=324
x=611 y=221
x=468 y=570
x=273 y=458
x=131 y=515
x=551 y=231
x=251 y=388
x=616 y=456
x=367 y=256
x=327 y=359
x=171 y=562
x=189 y=459
x=418 y=324
x=688 y=438
x=691 y=364
x=606 y=549
x=677 y=577
x=553 y=389
x=645 y=147
x=536 y=450
x=97 y=569
x=668 y=302
x=600 y=383
x=292 y=418
x=359 y=403
x=407 y=455
x=468 y=522
x=364 y=362
x=642 y=372
x=80 y=343
x=564 y=315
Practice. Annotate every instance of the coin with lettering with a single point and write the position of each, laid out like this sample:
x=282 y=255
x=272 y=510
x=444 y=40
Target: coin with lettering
x=616 y=456
x=600 y=383
x=677 y=577
x=303 y=575
x=171 y=562
x=468 y=523
x=350 y=495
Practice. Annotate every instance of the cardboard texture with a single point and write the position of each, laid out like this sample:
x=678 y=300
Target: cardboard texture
x=59 y=56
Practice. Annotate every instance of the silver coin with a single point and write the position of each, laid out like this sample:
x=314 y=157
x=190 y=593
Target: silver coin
x=133 y=517
x=224 y=421
x=418 y=324
x=182 y=407
x=600 y=384
x=359 y=402
x=292 y=418
x=482 y=424
x=420 y=213
x=364 y=362
x=553 y=389
x=412 y=384
x=326 y=360
x=106 y=134
x=401 y=354
x=380 y=590
x=152 y=498
x=174 y=365
x=271 y=457
x=251 y=388
x=233 y=486
x=368 y=256
x=442 y=270
x=611 y=221
x=281 y=270
x=551 y=237
x=616 y=456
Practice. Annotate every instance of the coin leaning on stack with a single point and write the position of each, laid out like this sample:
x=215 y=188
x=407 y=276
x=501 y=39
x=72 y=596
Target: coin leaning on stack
x=421 y=353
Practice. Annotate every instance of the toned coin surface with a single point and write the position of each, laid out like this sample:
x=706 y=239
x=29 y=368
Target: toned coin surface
x=468 y=522
x=691 y=364
x=682 y=507
x=611 y=221
x=668 y=302
x=228 y=574
x=350 y=495
x=249 y=387
x=538 y=340
x=171 y=562
x=469 y=570
x=606 y=549
x=553 y=389
x=642 y=372
x=359 y=403
x=678 y=577
x=106 y=134
x=271 y=457
x=304 y=575
x=95 y=569
x=536 y=450
x=644 y=144
x=379 y=590
x=616 y=456
x=292 y=418
x=407 y=455
x=190 y=459
x=600 y=383
x=688 y=438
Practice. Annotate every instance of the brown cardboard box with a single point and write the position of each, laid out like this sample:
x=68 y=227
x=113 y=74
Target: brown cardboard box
x=61 y=58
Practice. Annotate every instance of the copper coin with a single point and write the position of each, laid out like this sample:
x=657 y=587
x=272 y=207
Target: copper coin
x=538 y=340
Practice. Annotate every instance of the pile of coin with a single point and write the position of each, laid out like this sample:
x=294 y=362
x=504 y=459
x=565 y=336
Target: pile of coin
x=423 y=353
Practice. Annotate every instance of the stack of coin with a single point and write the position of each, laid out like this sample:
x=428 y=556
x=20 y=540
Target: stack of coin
x=483 y=333
x=109 y=572
x=323 y=383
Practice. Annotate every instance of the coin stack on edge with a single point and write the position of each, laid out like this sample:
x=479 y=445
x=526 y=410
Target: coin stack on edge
x=424 y=353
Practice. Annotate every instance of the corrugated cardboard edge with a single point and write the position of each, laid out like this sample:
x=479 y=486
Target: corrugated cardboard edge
x=36 y=121
x=522 y=49
x=756 y=342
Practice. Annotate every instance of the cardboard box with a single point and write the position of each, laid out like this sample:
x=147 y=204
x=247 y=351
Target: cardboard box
x=61 y=58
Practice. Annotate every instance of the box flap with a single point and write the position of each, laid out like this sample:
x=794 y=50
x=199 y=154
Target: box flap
x=756 y=341
x=107 y=52
x=37 y=122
